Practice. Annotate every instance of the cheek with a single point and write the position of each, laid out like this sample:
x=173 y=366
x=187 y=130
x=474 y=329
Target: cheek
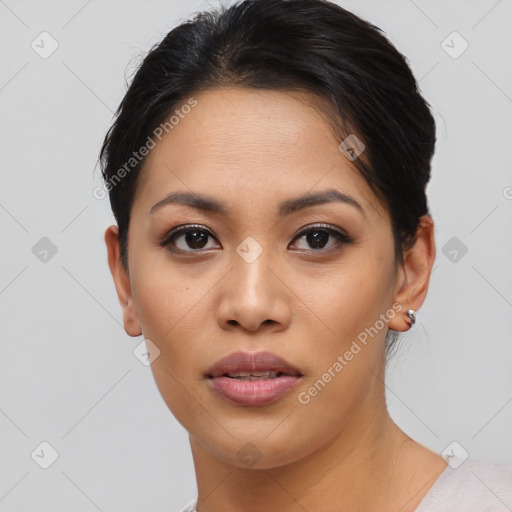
x=347 y=323
x=346 y=298
x=348 y=358
x=163 y=295
x=171 y=313
x=173 y=309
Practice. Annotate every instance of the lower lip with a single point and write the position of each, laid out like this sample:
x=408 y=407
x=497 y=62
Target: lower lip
x=253 y=392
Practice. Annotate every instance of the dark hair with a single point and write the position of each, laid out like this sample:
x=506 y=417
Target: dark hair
x=298 y=45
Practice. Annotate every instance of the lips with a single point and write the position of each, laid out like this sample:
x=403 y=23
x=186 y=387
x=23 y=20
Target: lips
x=252 y=366
x=253 y=379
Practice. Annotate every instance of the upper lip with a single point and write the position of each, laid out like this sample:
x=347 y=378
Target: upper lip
x=252 y=361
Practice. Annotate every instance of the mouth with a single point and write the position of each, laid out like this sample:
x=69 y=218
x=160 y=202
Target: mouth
x=252 y=366
x=252 y=379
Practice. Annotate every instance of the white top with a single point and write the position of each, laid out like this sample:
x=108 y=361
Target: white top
x=473 y=486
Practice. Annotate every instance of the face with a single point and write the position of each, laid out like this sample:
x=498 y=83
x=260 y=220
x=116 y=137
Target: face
x=263 y=272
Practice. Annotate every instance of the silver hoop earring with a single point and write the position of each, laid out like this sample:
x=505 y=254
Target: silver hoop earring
x=412 y=317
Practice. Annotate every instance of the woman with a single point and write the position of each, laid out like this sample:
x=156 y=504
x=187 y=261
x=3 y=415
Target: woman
x=267 y=170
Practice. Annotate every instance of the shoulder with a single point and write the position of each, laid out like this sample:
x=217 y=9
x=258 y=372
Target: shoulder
x=474 y=486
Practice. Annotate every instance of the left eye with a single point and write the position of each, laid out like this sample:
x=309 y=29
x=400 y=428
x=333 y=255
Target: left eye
x=318 y=236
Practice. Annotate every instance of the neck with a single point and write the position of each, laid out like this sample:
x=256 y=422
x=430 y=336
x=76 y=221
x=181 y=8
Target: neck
x=369 y=465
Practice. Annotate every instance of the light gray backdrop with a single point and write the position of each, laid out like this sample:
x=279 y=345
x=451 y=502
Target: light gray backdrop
x=68 y=375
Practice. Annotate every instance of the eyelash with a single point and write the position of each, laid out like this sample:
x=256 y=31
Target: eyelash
x=341 y=238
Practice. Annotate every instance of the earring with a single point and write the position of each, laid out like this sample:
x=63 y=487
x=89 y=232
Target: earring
x=412 y=317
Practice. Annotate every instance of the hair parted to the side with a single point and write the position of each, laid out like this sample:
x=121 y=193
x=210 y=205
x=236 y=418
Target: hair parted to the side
x=314 y=46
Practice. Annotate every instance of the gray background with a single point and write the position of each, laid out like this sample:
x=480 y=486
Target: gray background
x=67 y=372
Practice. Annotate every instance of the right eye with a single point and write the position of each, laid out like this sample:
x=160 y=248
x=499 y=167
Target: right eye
x=188 y=238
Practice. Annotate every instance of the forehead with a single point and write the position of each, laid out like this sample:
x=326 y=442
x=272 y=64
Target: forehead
x=246 y=144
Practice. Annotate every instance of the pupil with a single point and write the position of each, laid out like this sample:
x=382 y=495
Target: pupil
x=317 y=239
x=196 y=239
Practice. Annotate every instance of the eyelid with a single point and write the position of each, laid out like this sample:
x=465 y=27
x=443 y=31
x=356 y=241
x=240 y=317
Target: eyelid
x=188 y=227
x=320 y=225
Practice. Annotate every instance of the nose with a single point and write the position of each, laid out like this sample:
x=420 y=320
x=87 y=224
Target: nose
x=253 y=297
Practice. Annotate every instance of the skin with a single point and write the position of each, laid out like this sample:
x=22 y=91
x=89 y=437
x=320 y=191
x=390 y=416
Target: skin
x=341 y=451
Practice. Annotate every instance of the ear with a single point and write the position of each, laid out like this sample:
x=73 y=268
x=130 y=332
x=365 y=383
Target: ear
x=122 y=282
x=414 y=274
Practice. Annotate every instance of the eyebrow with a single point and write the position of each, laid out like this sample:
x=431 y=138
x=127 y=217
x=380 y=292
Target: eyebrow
x=287 y=207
